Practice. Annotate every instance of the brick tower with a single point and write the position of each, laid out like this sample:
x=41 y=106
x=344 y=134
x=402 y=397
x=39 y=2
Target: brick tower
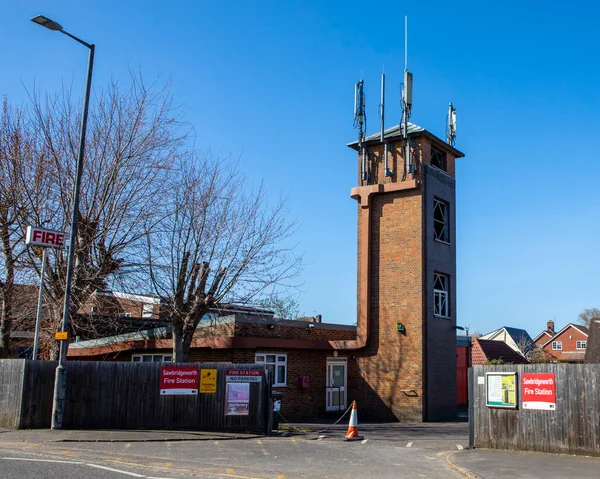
x=406 y=275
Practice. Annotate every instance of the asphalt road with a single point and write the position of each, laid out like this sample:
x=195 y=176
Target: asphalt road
x=264 y=458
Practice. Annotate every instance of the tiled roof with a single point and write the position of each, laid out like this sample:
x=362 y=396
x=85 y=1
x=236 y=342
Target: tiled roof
x=500 y=350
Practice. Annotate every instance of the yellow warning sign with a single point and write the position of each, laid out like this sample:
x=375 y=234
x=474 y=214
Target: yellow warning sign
x=208 y=380
x=61 y=336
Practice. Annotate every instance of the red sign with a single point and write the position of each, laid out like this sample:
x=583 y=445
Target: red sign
x=45 y=238
x=538 y=391
x=243 y=376
x=179 y=380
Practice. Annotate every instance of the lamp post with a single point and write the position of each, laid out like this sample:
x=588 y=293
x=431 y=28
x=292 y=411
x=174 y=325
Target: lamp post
x=60 y=384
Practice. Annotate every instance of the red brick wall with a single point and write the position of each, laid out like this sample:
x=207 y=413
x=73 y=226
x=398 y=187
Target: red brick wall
x=392 y=361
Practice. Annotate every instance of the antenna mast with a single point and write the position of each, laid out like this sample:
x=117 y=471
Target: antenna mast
x=387 y=171
x=406 y=106
x=451 y=125
x=360 y=123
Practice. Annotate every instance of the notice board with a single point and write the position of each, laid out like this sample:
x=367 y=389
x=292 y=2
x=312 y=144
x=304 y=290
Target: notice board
x=501 y=389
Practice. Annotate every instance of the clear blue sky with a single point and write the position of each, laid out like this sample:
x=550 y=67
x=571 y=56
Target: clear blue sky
x=273 y=82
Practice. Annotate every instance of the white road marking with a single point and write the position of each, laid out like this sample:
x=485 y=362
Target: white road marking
x=40 y=460
x=364 y=441
x=320 y=437
x=116 y=470
x=409 y=444
x=459 y=447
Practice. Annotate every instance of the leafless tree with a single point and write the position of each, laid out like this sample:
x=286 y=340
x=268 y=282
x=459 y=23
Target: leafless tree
x=218 y=243
x=22 y=184
x=588 y=316
x=134 y=136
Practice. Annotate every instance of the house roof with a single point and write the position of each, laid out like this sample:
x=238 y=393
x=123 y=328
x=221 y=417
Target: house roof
x=494 y=349
x=520 y=337
x=592 y=352
x=395 y=132
x=546 y=333
x=581 y=329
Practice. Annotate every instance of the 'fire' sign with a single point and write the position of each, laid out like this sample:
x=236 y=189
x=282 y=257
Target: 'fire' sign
x=45 y=238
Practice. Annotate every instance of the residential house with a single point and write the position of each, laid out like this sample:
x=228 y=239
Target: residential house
x=568 y=345
x=517 y=339
x=545 y=335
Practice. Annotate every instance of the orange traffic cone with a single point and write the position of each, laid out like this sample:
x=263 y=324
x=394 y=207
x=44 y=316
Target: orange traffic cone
x=352 y=434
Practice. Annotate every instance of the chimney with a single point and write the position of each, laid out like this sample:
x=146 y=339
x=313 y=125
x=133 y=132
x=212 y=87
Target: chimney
x=550 y=326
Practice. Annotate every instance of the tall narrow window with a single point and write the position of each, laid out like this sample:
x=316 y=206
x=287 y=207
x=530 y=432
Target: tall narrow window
x=440 y=295
x=438 y=159
x=441 y=223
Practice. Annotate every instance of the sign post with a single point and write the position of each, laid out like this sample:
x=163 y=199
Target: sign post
x=45 y=239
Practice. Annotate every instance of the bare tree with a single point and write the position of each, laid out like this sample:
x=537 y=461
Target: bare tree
x=284 y=307
x=133 y=138
x=22 y=183
x=588 y=316
x=218 y=243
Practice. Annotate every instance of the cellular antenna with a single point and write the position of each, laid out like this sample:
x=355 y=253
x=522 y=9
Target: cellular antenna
x=451 y=125
x=406 y=106
x=360 y=123
x=387 y=171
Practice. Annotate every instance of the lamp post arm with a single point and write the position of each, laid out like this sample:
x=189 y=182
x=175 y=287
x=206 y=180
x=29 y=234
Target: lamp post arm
x=91 y=47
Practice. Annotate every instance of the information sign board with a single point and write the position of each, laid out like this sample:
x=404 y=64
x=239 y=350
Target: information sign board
x=538 y=391
x=179 y=380
x=238 y=399
x=45 y=238
x=243 y=376
x=501 y=389
x=208 y=380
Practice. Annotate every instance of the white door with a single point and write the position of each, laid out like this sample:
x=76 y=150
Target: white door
x=336 y=384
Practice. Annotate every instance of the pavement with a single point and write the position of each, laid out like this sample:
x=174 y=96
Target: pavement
x=449 y=437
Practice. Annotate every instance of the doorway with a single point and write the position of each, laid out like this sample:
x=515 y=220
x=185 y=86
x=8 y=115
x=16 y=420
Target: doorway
x=336 y=384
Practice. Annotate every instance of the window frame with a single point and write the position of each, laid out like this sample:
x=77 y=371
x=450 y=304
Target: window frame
x=556 y=345
x=441 y=297
x=276 y=364
x=139 y=358
x=444 y=207
x=581 y=344
x=442 y=159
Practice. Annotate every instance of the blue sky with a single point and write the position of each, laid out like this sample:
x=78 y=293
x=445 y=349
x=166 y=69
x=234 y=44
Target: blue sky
x=272 y=82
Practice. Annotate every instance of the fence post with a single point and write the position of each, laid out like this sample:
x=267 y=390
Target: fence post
x=471 y=408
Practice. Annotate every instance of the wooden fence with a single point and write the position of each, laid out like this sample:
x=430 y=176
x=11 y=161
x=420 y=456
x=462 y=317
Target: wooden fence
x=572 y=426
x=125 y=395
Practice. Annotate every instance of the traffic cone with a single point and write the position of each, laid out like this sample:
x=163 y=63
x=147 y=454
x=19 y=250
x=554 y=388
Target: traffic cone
x=352 y=434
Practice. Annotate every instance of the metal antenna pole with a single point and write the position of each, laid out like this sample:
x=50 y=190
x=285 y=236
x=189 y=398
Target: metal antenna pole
x=39 y=307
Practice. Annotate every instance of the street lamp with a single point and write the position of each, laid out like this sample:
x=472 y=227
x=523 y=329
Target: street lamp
x=60 y=383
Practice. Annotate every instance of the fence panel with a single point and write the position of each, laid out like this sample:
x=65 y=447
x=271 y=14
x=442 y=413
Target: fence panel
x=572 y=427
x=11 y=384
x=125 y=395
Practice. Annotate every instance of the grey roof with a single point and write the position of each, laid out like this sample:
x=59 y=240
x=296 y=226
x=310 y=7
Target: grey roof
x=392 y=132
x=412 y=129
x=120 y=338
